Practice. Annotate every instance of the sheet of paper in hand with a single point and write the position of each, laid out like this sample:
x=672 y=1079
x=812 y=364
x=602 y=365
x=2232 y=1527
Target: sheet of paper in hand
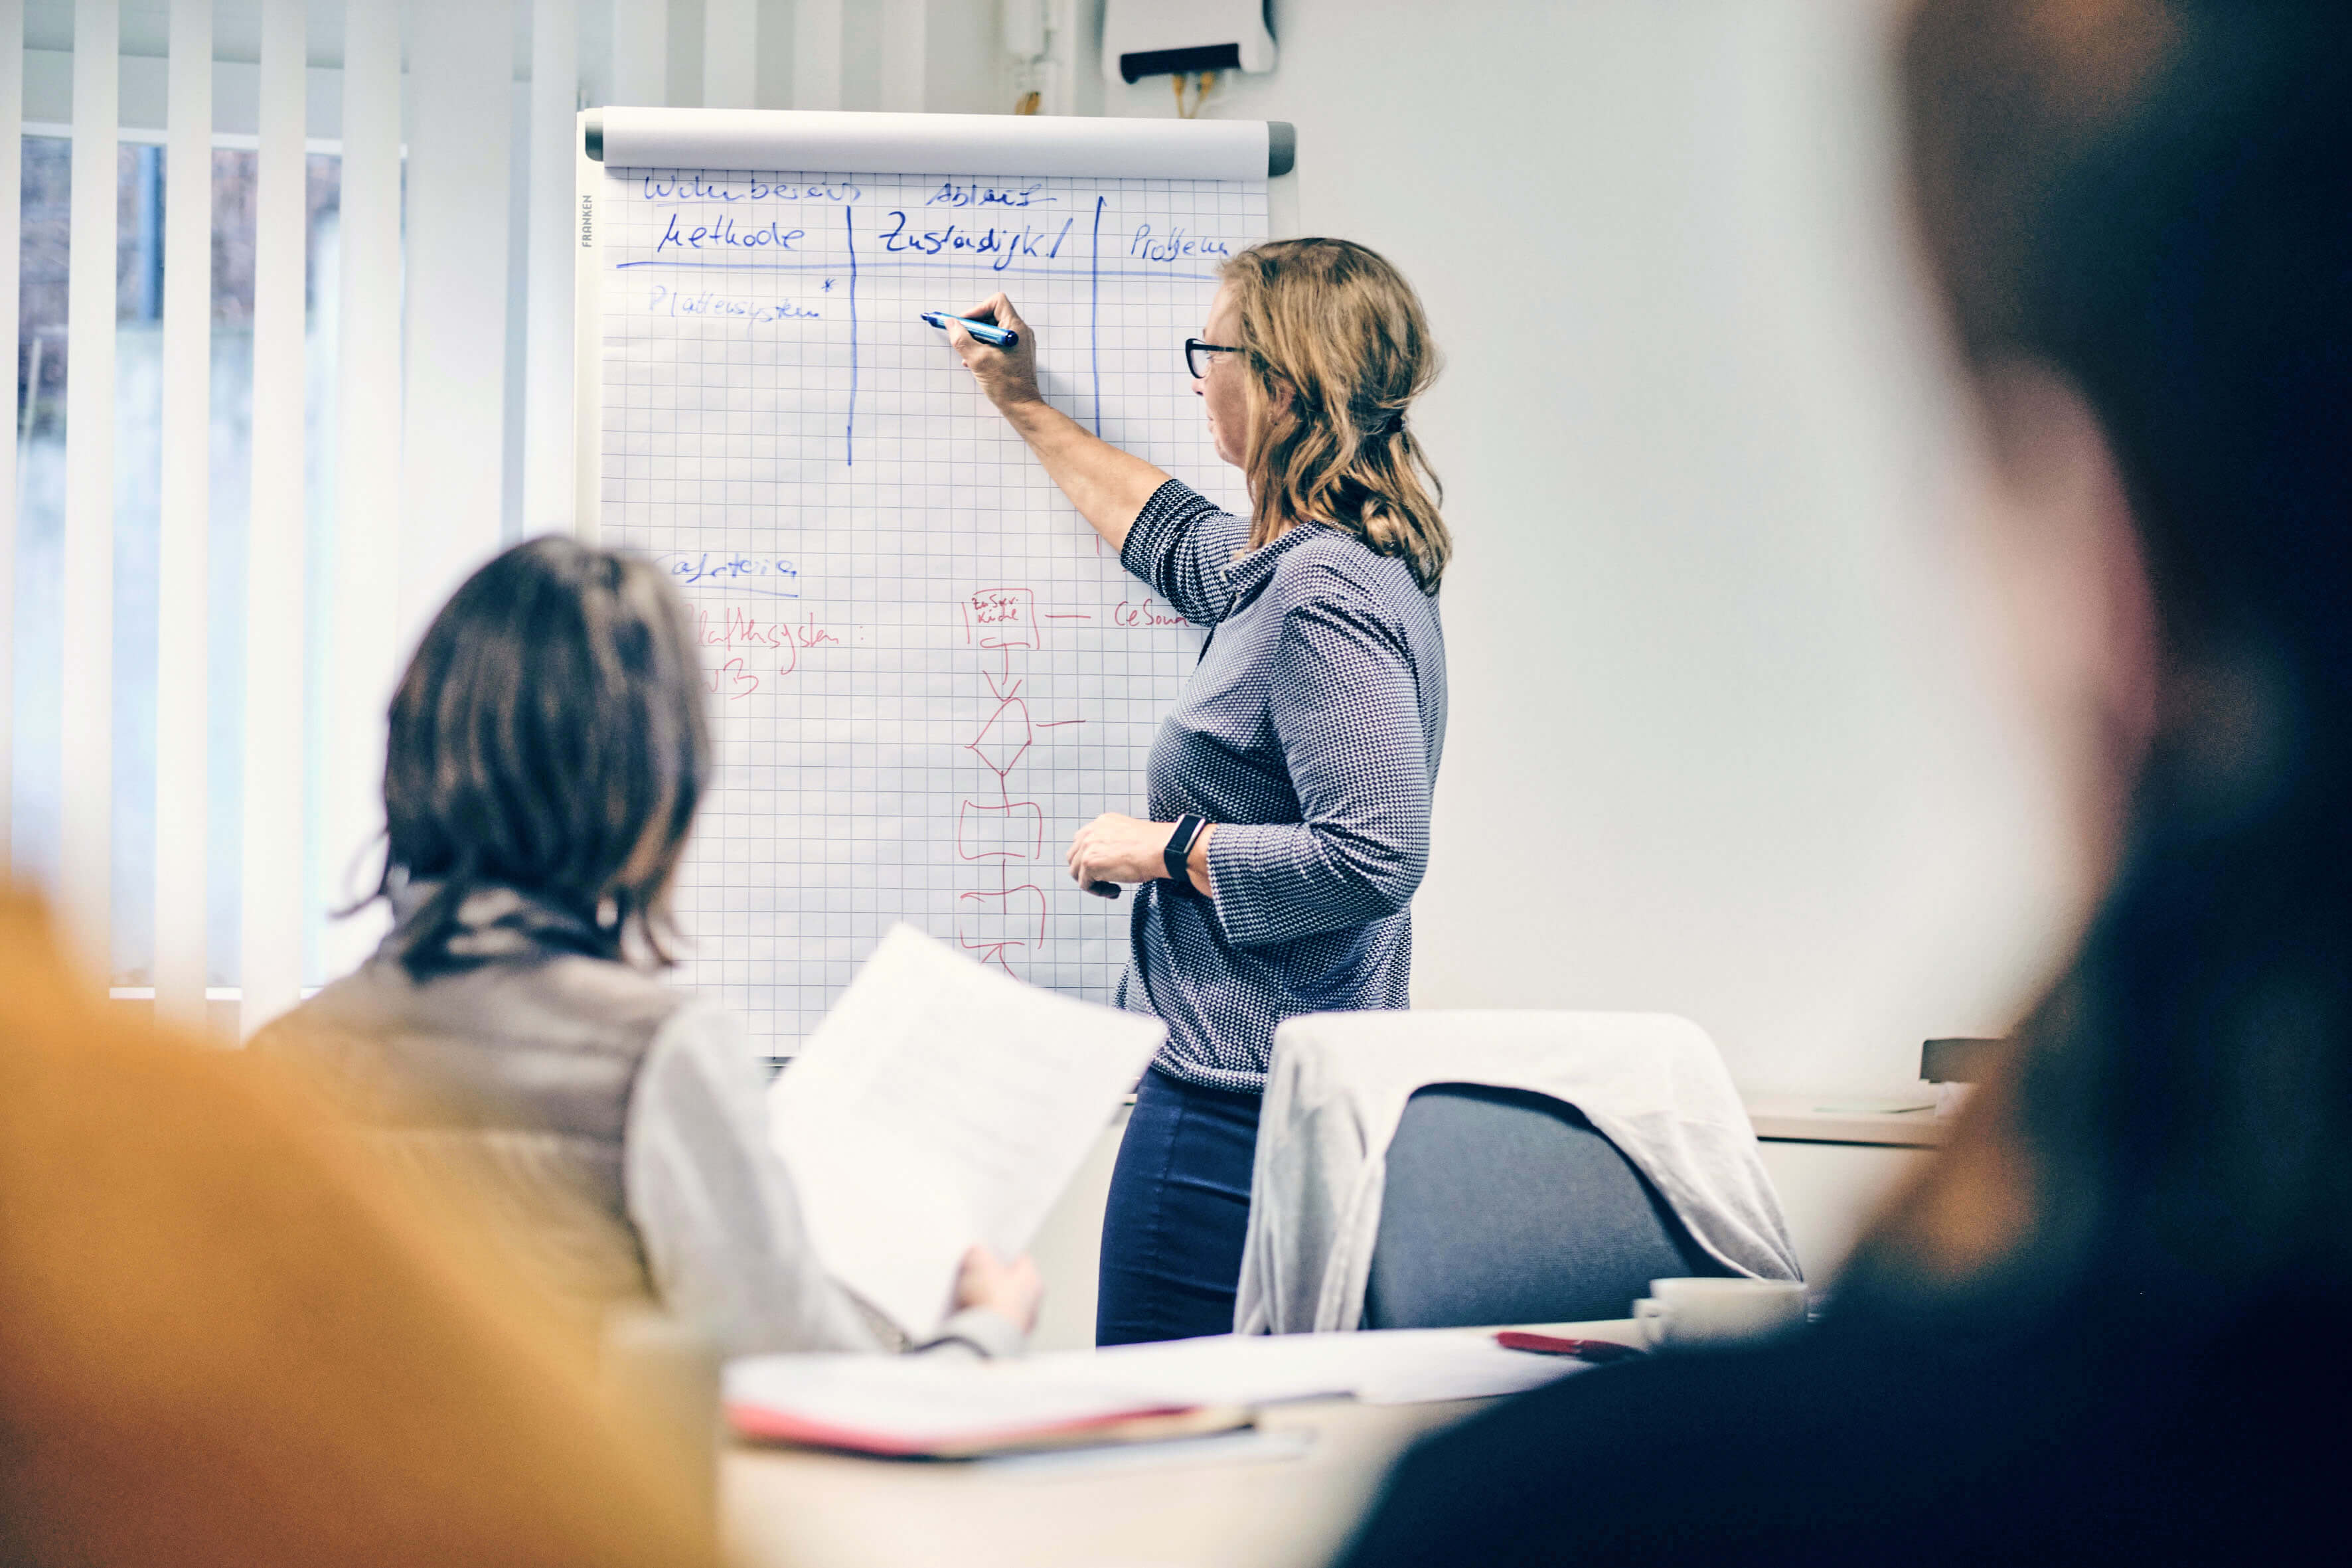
x=938 y=1104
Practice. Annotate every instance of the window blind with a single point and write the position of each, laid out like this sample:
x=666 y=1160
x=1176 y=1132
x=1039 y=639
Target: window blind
x=270 y=925
x=12 y=203
x=183 y=547
x=85 y=664
x=364 y=630
x=379 y=448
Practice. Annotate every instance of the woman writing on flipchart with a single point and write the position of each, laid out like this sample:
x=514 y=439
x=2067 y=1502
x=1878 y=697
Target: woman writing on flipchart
x=1287 y=823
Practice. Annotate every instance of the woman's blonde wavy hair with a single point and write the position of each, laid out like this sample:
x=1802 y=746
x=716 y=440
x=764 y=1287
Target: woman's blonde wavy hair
x=1341 y=330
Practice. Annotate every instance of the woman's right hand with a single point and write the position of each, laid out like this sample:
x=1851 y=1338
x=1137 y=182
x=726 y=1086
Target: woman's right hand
x=1011 y=1291
x=1007 y=377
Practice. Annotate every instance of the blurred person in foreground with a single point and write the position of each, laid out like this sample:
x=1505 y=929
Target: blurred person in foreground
x=2108 y=1324
x=546 y=753
x=226 y=1338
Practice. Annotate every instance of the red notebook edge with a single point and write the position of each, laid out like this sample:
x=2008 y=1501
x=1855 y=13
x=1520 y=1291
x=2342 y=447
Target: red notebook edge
x=764 y=1423
x=1595 y=1351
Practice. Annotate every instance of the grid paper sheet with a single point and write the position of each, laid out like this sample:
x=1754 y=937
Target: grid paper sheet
x=926 y=670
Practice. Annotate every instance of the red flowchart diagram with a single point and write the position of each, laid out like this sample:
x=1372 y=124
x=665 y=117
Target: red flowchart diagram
x=1005 y=924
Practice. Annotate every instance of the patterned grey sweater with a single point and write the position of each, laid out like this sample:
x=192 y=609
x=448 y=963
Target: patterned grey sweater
x=1309 y=733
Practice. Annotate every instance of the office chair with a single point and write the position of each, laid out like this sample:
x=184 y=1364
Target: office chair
x=1506 y=1206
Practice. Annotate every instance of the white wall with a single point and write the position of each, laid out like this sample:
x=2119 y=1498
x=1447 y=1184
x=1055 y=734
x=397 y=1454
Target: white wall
x=1730 y=736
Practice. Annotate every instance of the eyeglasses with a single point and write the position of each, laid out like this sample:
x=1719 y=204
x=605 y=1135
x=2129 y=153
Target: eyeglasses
x=1193 y=351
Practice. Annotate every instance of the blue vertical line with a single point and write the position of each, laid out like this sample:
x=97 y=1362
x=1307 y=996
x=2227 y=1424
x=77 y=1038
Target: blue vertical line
x=849 y=431
x=1094 y=318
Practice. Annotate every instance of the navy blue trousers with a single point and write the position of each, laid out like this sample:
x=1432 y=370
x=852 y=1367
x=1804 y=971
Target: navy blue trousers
x=1178 y=1209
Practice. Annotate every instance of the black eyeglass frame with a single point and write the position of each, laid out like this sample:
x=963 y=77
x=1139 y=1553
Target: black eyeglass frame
x=1194 y=348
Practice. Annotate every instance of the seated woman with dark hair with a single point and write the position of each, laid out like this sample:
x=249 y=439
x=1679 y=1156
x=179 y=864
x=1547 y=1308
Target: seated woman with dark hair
x=547 y=751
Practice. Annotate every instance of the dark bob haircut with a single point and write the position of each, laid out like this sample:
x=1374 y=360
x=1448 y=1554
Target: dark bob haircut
x=550 y=737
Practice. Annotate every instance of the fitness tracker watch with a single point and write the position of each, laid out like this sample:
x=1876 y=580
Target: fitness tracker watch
x=1180 y=849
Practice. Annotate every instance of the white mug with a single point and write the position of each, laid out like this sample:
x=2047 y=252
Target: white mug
x=1716 y=1312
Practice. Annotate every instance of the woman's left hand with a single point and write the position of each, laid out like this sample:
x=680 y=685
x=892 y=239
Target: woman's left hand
x=1115 y=848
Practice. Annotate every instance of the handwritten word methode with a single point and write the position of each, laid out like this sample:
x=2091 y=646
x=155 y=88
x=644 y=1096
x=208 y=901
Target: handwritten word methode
x=667 y=301
x=695 y=188
x=723 y=232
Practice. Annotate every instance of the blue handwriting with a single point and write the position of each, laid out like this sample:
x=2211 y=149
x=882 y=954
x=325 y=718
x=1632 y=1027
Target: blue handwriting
x=697 y=189
x=668 y=301
x=1004 y=245
x=1173 y=245
x=978 y=196
x=701 y=566
x=722 y=231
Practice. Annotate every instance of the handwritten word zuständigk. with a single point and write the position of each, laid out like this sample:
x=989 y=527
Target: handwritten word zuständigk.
x=1174 y=245
x=698 y=565
x=1002 y=246
x=667 y=301
x=722 y=233
x=697 y=188
x=951 y=194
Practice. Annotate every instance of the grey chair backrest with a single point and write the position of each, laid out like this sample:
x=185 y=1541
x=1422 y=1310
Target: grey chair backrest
x=1504 y=1207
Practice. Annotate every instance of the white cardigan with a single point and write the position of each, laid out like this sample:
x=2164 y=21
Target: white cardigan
x=1651 y=1084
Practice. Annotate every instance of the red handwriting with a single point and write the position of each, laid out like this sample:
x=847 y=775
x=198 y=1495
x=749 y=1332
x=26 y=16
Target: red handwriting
x=1001 y=618
x=1004 y=924
x=741 y=628
x=745 y=629
x=1143 y=614
x=733 y=681
x=808 y=634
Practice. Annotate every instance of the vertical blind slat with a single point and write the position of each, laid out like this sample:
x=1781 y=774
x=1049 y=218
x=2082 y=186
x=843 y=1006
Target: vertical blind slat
x=182 y=817
x=271 y=927
x=816 y=54
x=86 y=741
x=641 y=51
x=731 y=53
x=453 y=465
x=547 y=416
x=11 y=126
x=364 y=635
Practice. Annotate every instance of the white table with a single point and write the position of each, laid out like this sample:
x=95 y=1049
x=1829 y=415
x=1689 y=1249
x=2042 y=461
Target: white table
x=820 y=1510
x=1833 y=1169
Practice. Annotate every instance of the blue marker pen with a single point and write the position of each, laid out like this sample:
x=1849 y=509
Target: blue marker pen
x=994 y=336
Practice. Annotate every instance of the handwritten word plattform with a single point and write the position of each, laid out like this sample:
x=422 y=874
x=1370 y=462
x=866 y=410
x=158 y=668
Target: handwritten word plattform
x=722 y=233
x=667 y=301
